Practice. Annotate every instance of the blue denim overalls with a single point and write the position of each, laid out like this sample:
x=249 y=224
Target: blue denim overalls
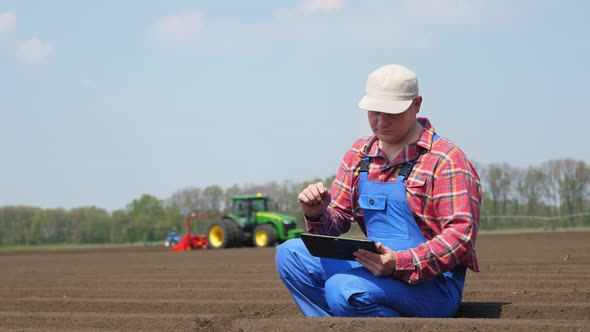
x=330 y=287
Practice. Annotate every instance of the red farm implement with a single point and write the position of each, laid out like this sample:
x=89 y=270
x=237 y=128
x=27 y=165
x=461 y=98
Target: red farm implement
x=188 y=241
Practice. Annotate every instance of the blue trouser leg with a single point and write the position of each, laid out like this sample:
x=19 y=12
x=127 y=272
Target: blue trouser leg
x=329 y=287
x=358 y=293
x=305 y=276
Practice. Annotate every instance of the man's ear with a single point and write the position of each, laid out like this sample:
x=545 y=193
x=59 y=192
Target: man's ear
x=417 y=103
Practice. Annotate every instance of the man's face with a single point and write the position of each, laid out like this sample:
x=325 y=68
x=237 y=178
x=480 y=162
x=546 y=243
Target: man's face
x=394 y=128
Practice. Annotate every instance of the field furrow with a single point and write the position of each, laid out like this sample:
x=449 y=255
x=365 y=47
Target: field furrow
x=528 y=282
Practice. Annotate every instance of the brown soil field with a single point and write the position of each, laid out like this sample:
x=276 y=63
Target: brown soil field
x=528 y=282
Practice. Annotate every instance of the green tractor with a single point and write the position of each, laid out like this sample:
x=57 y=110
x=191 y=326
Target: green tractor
x=251 y=224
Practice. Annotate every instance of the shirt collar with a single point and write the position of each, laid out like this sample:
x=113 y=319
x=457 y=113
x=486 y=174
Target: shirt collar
x=425 y=140
x=410 y=151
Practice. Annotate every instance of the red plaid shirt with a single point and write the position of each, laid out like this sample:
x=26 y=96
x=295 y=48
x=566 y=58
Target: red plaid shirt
x=444 y=194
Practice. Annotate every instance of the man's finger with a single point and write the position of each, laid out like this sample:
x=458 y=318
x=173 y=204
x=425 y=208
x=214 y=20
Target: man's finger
x=321 y=188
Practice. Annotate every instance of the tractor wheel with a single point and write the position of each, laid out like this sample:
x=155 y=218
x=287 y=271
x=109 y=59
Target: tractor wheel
x=264 y=236
x=224 y=233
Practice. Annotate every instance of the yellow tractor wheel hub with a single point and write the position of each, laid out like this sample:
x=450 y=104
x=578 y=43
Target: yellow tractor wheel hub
x=216 y=236
x=261 y=238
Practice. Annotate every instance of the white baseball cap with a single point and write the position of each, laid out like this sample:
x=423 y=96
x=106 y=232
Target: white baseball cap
x=390 y=89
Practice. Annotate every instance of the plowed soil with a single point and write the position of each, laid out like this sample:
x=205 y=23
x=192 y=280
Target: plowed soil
x=529 y=282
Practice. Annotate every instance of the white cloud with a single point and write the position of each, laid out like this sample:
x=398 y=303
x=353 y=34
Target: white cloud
x=455 y=12
x=34 y=51
x=373 y=24
x=183 y=27
x=360 y=24
x=7 y=21
x=313 y=6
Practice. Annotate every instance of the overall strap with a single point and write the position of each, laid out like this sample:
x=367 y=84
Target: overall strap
x=405 y=170
x=407 y=167
x=365 y=164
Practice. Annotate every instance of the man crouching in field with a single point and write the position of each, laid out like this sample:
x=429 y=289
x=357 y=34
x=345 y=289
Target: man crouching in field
x=414 y=193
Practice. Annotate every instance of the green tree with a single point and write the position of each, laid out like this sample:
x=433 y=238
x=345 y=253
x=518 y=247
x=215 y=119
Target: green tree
x=88 y=225
x=212 y=199
x=573 y=184
x=498 y=178
x=186 y=200
x=147 y=219
x=120 y=227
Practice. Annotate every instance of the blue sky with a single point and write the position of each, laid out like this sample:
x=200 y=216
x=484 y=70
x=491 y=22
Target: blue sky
x=103 y=101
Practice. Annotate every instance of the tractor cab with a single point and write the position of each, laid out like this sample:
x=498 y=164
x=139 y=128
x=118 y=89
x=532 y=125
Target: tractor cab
x=245 y=207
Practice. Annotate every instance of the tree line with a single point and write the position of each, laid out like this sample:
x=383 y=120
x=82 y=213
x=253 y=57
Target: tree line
x=552 y=195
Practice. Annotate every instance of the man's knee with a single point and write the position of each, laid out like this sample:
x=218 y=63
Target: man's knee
x=287 y=248
x=285 y=255
x=345 y=302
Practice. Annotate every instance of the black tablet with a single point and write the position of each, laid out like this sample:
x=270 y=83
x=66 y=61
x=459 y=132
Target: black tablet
x=335 y=247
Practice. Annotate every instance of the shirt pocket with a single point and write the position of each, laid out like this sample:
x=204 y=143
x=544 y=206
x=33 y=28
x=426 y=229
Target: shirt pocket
x=416 y=186
x=418 y=195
